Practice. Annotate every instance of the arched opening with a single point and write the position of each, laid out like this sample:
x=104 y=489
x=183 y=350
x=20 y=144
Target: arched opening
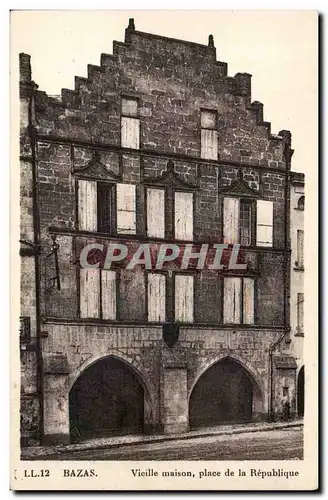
x=225 y=393
x=106 y=400
x=301 y=203
x=300 y=393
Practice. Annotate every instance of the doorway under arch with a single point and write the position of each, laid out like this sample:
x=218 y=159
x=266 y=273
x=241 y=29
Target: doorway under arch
x=225 y=393
x=300 y=393
x=106 y=400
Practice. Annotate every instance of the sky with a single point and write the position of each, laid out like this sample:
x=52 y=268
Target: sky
x=277 y=47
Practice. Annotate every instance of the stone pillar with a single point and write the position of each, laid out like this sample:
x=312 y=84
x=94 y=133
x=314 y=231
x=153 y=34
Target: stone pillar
x=175 y=400
x=56 y=400
x=174 y=391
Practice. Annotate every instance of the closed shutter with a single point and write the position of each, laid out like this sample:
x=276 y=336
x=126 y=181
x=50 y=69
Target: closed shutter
x=156 y=297
x=87 y=205
x=89 y=293
x=232 y=300
x=209 y=144
x=300 y=248
x=300 y=312
x=183 y=205
x=126 y=208
x=108 y=294
x=248 y=301
x=230 y=220
x=264 y=232
x=184 y=298
x=155 y=213
x=130 y=132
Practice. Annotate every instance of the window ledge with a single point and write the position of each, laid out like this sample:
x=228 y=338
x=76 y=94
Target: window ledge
x=299 y=268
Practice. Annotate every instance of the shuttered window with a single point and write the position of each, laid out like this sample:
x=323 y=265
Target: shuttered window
x=97 y=293
x=300 y=312
x=108 y=294
x=264 y=221
x=238 y=301
x=155 y=213
x=184 y=298
x=130 y=124
x=87 y=205
x=300 y=248
x=126 y=208
x=156 y=297
x=231 y=220
x=89 y=293
x=209 y=135
x=232 y=300
x=183 y=216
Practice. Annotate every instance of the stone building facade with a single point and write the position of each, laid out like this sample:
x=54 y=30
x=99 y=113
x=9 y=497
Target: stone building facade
x=158 y=144
x=297 y=207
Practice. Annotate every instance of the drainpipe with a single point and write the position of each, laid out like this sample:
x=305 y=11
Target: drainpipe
x=37 y=253
x=288 y=153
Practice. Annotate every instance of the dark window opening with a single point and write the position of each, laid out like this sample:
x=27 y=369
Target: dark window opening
x=104 y=202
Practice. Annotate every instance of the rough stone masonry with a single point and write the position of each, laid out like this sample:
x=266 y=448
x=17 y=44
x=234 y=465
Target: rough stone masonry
x=158 y=144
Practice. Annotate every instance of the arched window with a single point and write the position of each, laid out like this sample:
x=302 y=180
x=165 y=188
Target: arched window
x=300 y=203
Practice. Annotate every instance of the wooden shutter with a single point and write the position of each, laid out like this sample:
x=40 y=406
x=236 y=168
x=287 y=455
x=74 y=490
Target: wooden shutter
x=300 y=312
x=183 y=205
x=231 y=220
x=126 y=208
x=184 y=298
x=130 y=132
x=300 y=248
x=108 y=294
x=232 y=300
x=89 y=293
x=248 y=301
x=155 y=213
x=87 y=205
x=209 y=144
x=264 y=232
x=156 y=297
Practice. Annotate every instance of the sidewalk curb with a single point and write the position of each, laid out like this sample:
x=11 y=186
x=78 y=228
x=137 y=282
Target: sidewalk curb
x=170 y=437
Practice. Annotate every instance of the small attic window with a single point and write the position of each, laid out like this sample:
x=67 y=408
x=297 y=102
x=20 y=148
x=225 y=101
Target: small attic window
x=301 y=203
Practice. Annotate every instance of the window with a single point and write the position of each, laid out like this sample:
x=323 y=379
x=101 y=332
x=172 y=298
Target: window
x=184 y=298
x=155 y=213
x=104 y=204
x=97 y=293
x=209 y=135
x=245 y=223
x=238 y=221
x=300 y=312
x=238 y=301
x=126 y=208
x=183 y=216
x=156 y=297
x=300 y=249
x=264 y=223
x=130 y=124
x=301 y=203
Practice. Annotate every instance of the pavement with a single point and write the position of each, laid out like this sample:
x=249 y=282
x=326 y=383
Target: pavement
x=127 y=446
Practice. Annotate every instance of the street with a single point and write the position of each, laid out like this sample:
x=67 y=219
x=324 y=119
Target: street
x=282 y=444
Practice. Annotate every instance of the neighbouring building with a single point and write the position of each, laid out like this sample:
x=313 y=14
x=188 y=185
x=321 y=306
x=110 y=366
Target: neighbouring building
x=158 y=144
x=297 y=206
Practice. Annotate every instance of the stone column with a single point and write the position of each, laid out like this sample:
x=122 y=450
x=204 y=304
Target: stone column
x=175 y=413
x=56 y=400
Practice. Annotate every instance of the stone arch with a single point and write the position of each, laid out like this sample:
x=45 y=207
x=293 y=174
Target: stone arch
x=245 y=369
x=149 y=402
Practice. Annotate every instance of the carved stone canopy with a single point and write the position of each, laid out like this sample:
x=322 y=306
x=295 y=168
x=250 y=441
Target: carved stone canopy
x=96 y=169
